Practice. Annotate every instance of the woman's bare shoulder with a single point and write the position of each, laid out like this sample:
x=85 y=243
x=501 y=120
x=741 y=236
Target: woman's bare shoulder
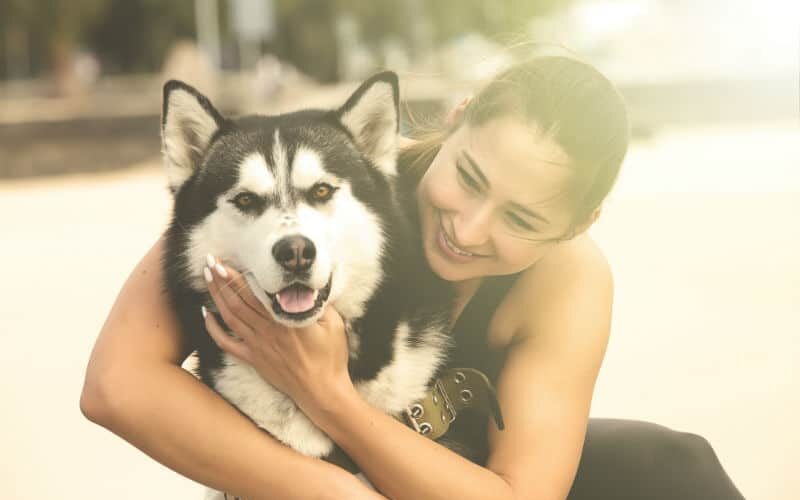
x=578 y=257
x=572 y=268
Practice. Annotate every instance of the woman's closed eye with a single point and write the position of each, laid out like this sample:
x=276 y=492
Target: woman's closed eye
x=518 y=222
x=515 y=221
x=470 y=181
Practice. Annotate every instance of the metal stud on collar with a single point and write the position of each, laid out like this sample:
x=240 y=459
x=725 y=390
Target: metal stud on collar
x=457 y=389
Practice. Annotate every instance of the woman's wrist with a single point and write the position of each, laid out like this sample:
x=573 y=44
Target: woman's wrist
x=350 y=487
x=326 y=401
x=335 y=417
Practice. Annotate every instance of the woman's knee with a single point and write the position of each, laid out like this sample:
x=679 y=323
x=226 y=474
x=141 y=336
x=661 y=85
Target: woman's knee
x=645 y=440
x=635 y=459
x=668 y=447
x=689 y=447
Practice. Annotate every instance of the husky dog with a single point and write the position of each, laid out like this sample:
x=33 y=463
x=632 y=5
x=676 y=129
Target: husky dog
x=308 y=206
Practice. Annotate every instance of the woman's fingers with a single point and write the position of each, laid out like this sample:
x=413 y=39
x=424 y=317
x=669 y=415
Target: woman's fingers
x=237 y=283
x=225 y=342
x=234 y=311
x=331 y=317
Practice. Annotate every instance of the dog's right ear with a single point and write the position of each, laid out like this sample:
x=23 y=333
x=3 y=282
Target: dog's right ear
x=372 y=116
x=188 y=123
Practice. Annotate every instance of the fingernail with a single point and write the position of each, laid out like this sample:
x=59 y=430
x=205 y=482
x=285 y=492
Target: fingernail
x=210 y=260
x=203 y=310
x=221 y=270
x=207 y=274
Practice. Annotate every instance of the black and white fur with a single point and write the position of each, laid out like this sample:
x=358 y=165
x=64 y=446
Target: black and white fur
x=368 y=259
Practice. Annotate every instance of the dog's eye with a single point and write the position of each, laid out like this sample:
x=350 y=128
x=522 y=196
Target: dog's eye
x=249 y=203
x=244 y=200
x=322 y=192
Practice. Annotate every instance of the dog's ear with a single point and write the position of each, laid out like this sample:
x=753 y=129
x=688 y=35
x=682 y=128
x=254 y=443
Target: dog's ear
x=188 y=123
x=372 y=116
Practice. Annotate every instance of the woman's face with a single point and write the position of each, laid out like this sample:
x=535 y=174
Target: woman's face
x=486 y=199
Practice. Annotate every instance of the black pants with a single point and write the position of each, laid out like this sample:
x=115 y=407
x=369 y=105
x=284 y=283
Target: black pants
x=633 y=460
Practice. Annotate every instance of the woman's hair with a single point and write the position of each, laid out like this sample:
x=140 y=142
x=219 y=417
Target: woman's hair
x=564 y=99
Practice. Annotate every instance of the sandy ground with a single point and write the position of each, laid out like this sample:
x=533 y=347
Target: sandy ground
x=702 y=233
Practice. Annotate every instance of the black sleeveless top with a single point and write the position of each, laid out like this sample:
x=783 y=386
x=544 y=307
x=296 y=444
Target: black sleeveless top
x=472 y=350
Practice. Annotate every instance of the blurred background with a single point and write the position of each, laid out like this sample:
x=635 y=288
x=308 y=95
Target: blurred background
x=702 y=228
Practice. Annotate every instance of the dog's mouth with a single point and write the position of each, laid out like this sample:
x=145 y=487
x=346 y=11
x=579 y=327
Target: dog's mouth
x=298 y=301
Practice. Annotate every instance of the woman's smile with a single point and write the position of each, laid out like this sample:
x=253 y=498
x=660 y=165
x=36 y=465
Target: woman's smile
x=450 y=249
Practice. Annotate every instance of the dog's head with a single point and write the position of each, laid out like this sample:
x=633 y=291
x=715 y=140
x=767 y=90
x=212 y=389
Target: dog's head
x=298 y=202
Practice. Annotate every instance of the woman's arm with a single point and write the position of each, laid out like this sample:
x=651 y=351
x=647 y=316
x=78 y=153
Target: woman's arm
x=136 y=388
x=563 y=307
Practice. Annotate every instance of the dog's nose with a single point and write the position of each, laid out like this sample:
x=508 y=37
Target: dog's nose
x=295 y=253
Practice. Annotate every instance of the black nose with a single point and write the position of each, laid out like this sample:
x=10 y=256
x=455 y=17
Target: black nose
x=295 y=253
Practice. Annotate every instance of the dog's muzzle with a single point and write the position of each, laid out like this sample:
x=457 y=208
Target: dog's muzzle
x=298 y=301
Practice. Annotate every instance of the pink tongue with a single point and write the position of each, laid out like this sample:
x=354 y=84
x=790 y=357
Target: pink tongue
x=296 y=299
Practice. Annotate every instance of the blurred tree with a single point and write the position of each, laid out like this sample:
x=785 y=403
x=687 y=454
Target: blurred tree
x=54 y=29
x=499 y=19
x=133 y=35
x=307 y=28
x=306 y=37
x=378 y=18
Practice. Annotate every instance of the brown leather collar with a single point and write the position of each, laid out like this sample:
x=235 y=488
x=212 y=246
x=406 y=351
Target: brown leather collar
x=456 y=390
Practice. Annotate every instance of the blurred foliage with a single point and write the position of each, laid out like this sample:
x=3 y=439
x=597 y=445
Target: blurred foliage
x=134 y=35
x=307 y=38
x=495 y=18
x=47 y=30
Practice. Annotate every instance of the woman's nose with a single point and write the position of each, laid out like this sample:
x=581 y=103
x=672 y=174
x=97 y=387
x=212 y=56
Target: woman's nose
x=471 y=227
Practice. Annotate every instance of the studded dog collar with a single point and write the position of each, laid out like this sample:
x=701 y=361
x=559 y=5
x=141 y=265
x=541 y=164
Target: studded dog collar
x=457 y=389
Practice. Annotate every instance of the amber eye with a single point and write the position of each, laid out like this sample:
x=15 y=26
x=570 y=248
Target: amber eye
x=322 y=192
x=244 y=200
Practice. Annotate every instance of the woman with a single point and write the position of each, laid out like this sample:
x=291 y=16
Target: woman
x=505 y=194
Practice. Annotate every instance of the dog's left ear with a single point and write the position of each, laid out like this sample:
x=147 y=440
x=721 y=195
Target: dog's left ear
x=372 y=116
x=188 y=123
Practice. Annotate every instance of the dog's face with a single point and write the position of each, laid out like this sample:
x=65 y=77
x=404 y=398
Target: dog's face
x=291 y=201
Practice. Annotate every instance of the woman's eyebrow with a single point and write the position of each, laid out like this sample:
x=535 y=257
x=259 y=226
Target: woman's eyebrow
x=515 y=206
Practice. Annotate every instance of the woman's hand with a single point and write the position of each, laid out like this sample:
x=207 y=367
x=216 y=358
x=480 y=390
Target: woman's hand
x=307 y=364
